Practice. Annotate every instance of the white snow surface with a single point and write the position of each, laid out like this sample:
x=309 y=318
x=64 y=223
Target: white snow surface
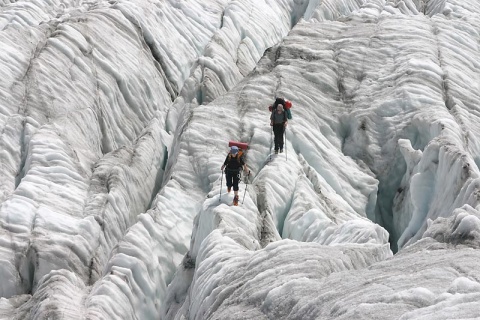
x=115 y=118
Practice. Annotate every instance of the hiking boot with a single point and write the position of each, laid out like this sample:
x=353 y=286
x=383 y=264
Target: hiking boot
x=235 y=201
x=229 y=189
x=276 y=151
x=281 y=150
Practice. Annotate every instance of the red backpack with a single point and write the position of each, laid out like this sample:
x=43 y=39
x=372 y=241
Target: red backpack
x=242 y=148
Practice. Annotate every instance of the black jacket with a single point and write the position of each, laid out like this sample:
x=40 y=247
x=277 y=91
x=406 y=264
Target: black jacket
x=234 y=163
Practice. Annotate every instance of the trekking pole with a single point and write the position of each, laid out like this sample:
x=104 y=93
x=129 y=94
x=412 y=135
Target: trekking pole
x=285 y=143
x=246 y=185
x=221 y=181
x=271 y=142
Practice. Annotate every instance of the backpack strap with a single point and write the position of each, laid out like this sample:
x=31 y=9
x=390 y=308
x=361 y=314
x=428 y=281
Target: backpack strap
x=230 y=156
x=285 y=118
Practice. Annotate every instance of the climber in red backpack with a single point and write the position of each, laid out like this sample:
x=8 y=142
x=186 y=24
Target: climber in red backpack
x=232 y=165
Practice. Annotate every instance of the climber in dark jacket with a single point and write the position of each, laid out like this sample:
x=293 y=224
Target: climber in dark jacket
x=232 y=165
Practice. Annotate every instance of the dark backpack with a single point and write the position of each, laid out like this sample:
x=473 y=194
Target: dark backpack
x=286 y=106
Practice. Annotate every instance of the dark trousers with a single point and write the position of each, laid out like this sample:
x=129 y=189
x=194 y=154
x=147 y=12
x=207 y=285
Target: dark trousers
x=233 y=177
x=278 y=130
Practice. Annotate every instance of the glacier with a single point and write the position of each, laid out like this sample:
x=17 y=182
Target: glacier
x=115 y=119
